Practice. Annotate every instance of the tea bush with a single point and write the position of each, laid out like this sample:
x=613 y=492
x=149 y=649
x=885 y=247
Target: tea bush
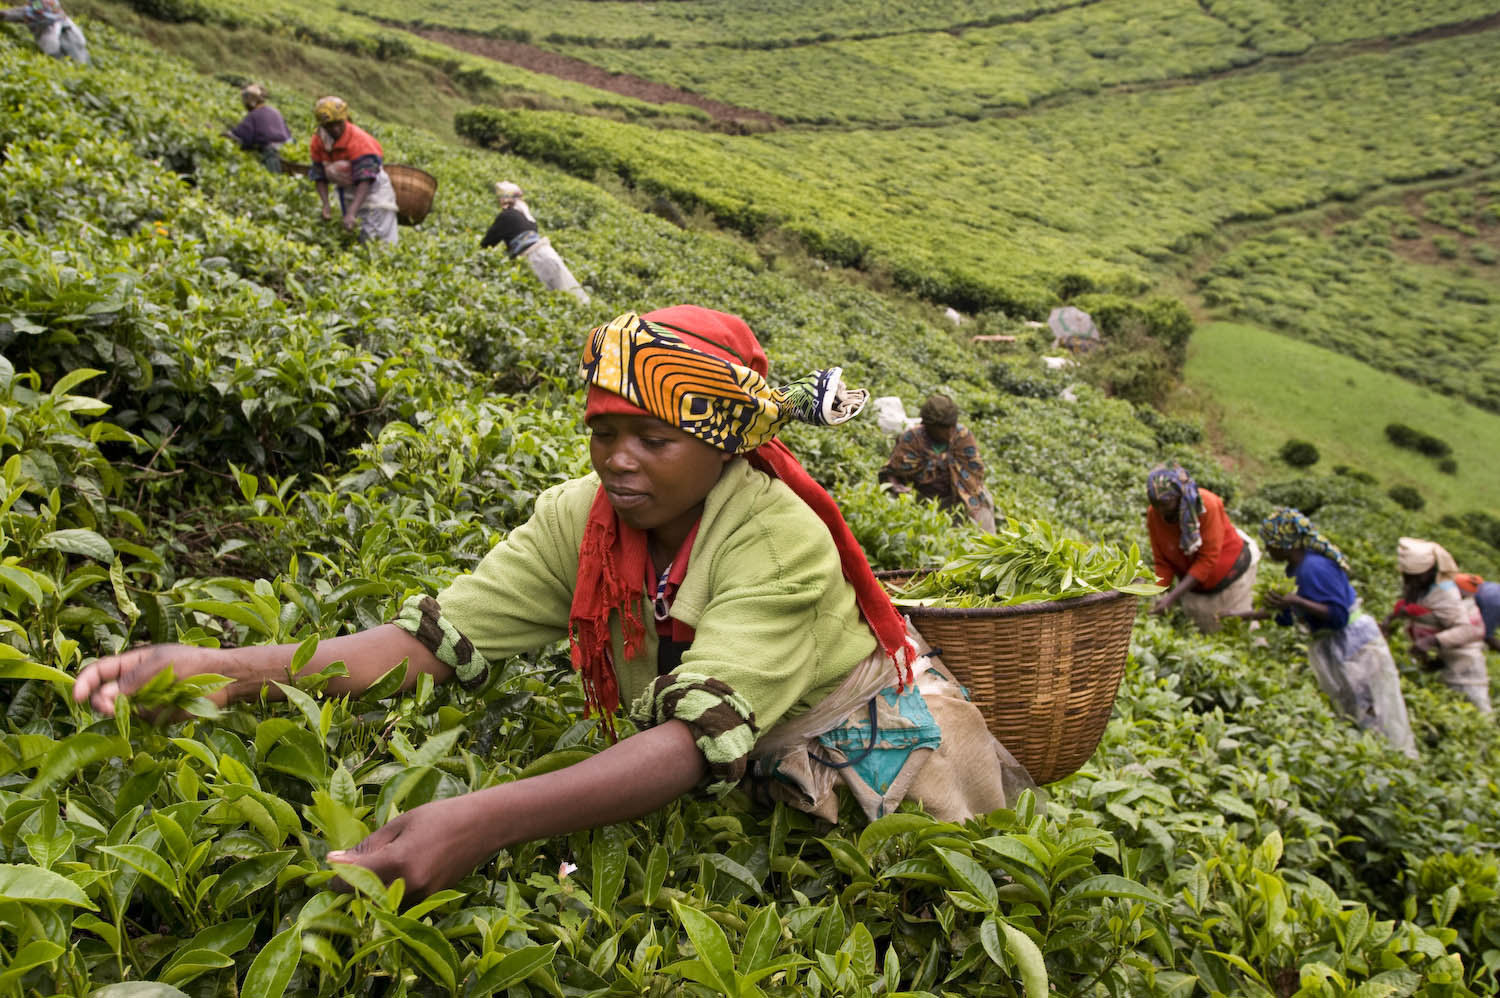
x=1406 y=496
x=1299 y=453
x=1424 y=443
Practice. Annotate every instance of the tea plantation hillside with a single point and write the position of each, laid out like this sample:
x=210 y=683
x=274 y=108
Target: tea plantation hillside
x=1079 y=148
x=220 y=423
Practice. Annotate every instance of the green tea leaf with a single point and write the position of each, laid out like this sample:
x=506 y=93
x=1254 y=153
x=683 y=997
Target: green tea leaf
x=33 y=885
x=710 y=943
x=272 y=969
x=79 y=541
x=1028 y=958
x=513 y=968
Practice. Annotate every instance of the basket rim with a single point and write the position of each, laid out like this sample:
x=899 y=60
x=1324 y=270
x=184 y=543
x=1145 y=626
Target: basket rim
x=412 y=169
x=1018 y=610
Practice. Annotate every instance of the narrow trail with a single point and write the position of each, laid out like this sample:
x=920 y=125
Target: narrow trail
x=733 y=118
x=540 y=60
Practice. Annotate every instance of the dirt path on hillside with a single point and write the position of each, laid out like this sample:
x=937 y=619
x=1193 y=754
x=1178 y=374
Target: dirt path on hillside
x=564 y=67
x=730 y=117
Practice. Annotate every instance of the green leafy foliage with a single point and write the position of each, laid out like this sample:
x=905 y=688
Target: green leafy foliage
x=178 y=321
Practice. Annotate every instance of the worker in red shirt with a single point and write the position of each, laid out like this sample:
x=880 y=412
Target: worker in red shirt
x=1208 y=565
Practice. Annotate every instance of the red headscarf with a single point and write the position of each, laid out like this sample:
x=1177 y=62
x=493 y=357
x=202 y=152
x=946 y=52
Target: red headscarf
x=612 y=560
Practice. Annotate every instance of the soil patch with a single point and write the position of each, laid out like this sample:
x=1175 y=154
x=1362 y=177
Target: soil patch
x=567 y=68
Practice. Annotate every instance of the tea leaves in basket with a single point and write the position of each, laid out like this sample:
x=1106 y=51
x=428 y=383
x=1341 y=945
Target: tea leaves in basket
x=1030 y=562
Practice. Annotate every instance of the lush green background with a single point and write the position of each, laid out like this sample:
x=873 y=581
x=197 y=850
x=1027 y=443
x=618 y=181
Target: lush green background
x=1279 y=388
x=221 y=423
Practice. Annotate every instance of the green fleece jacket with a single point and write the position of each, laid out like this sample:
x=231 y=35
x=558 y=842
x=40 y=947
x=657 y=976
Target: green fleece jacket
x=776 y=627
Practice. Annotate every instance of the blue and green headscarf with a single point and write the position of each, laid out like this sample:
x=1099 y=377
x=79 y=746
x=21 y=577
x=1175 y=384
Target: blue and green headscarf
x=1288 y=529
x=1172 y=480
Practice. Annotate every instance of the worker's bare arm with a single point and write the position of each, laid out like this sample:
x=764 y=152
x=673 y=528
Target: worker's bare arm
x=435 y=845
x=367 y=655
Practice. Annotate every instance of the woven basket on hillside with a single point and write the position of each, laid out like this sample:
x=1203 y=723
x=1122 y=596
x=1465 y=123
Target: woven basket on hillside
x=1044 y=675
x=291 y=168
x=414 y=190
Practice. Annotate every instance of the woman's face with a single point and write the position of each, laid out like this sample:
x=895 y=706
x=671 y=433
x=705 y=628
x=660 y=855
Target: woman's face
x=1415 y=586
x=654 y=475
x=335 y=129
x=937 y=432
x=1166 y=506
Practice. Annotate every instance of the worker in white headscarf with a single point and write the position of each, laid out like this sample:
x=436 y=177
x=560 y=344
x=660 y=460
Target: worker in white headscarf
x=516 y=227
x=1442 y=619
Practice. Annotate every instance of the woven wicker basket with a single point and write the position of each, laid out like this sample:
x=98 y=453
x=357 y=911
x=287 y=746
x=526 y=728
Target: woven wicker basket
x=1044 y=675
x=291 y=168
x=414 y=191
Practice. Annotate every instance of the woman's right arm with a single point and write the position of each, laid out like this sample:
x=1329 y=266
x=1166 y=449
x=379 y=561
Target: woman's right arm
x=367 y=655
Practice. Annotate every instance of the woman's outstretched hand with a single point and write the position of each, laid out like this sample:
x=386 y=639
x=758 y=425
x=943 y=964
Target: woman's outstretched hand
x=105 y=679
x=431 y=847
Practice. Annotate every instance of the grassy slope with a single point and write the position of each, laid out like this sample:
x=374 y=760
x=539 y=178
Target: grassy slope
x=1261 y=388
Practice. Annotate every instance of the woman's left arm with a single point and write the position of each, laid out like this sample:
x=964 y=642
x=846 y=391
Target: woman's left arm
x=437 y=844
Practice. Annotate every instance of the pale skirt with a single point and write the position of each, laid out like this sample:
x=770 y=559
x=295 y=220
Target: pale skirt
x=1355 y=669
x=1204 y=609
x=549 y=268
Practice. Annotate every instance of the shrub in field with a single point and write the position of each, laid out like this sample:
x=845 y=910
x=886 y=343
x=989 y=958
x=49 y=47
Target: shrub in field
x=1406 y=497
x=1299 y=453
x=1358 y=474
x=1448 y=466
x=1412 y=439
x=900 y=530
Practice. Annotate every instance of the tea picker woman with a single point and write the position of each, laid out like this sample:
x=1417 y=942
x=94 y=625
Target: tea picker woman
x=1443 y=619
x=354 y=161
x=516 y=227
x=1195 y=546
x=701 y=577
x=1349 y=655
x=939 y=459
x=262 y=130
x=54 y=32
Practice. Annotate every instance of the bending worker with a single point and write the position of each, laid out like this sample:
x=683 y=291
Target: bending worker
x=1348 y=654
x=1486 y=596
x=701 y=577
x=54 y=32
x=516 y=227
x=262 y=130
x=939 y=459
x=1443 y=620
x=1194 y=545
x=353 y=160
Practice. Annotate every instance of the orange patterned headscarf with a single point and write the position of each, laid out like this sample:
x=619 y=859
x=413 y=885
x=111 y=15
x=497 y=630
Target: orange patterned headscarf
x=727 y=405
